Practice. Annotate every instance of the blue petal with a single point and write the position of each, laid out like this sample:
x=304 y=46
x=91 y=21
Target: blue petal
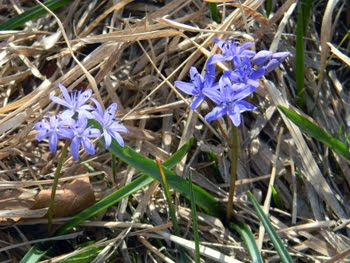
x=118 y=127
x=219 y=58
x=235 y=116
x=244 y=92
x=74 y=148
x=186 y=87
x=108 y=138
x=83 y=97
x=245 y=106
x=110 y=113
x=273 y=63
x=53 y=142
x=216 y=113
x=197 y=101
x=88 y=146
x=257 y=73
x=212 y=94
x=65 y=93
x=61 y=102
x=118 y=138
x=262 y=57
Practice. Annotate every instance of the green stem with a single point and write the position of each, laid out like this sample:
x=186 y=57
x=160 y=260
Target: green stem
x=194 y=220
x=234 y=160
x=54 y=187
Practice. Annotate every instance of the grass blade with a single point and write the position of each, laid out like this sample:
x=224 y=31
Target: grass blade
x=275 y=239
x=31 y=14
x=299 y=67
x=316 y=132
x=244 y=231
x=268 y=7
x=213 y=7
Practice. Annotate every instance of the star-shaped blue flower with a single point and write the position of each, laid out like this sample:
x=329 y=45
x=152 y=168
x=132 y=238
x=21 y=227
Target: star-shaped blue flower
x=111 y=127
x=54 y=129
x=74 y=102
x=229 y=99
x=81 y=136
x=198 y=83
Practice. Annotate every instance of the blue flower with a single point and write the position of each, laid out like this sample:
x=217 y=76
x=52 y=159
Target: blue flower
x=81 y=136
x=230 y=50
x=56 y=128
x=110 y=126
x=74 y=102
x=198 y=83
x=244 y=73
x=229 y=99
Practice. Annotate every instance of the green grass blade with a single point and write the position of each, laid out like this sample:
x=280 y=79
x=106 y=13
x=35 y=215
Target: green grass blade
x=85 y=256
x=244 y=231
x=31 y=14
x=194 y=220
x=214 y=11
x=275 y=239
x=316 y=132
x=299 y=67
x=306 y=5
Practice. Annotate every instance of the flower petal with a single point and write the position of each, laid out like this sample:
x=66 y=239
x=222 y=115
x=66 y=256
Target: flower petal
x=118 y=138
x=60 y=101
x=53 y=142
x=262 y=57
x=235 y=116
x=65 y=93
x=216 y=113
x=212 y=94
x=88 y=146
x=108 y=138
x=186 y=87
x=197 y=101
x=74 y=147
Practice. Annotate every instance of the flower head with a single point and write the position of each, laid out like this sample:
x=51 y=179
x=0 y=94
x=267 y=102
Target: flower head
x=229 y=99
x=74 y=102
x=110 y=126
x=198 y=83
x=230 y=49
x=244 y=73
x=81 y=136
x=56 y=128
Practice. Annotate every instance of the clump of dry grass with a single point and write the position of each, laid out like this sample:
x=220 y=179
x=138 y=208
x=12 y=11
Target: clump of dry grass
x=135 y=51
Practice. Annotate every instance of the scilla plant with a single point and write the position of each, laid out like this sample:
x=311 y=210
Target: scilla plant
x=71 y=125
x=232 y=88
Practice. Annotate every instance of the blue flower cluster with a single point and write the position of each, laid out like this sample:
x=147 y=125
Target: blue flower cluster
x=234 y=85
x=73 y=121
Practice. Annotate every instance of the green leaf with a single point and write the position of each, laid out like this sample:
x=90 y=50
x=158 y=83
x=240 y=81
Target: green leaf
x=194 y=220
x=31 y=14
x=316 y=132
x=275 y=239
x=246 y=234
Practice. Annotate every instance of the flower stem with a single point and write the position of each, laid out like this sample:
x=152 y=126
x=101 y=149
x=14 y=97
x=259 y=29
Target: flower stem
x=234 y=160
x=54 y=187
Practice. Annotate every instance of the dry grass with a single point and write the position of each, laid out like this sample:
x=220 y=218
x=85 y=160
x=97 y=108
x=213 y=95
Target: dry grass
x=134 y=51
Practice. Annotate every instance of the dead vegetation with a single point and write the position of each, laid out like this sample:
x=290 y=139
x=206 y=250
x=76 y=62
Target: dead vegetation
x=134 y=51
